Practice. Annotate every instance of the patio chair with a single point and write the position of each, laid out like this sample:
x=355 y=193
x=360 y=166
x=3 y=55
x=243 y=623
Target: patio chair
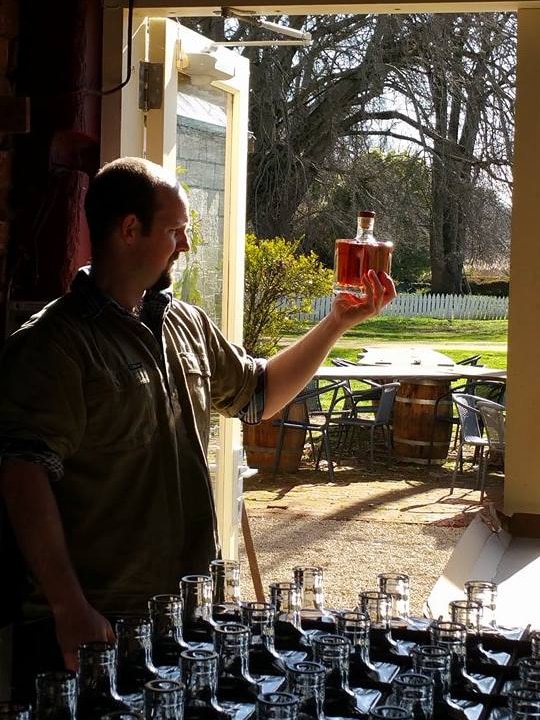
x=377 y=402
x=472 y=360
x=494 y=419
x=470 y=433
x=317 y=418
x=494 y=390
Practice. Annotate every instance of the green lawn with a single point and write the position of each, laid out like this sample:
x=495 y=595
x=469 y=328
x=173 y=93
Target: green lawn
x=425 y=329
x=456 y=338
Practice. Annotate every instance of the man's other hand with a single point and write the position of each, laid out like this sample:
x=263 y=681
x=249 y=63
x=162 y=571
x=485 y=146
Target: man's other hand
x=78 y=624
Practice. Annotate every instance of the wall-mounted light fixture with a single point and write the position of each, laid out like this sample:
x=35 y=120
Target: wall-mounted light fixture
x=299 y=36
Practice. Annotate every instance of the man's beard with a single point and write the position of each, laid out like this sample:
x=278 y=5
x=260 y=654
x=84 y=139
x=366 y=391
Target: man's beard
x=164 y=281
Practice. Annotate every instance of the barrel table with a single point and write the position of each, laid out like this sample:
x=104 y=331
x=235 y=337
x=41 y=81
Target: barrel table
x=422 y=421
x=421 y=427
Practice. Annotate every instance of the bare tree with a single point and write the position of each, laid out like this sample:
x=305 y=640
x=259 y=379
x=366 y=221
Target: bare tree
x=442 y=83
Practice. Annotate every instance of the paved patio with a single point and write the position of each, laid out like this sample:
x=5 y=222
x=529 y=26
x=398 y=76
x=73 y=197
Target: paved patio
x=400 y=518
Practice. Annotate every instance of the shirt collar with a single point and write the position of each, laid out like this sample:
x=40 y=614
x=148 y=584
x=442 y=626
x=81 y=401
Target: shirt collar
x=94 y=301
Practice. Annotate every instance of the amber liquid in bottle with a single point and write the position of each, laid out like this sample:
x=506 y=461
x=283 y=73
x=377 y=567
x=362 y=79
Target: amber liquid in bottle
x=354 y=257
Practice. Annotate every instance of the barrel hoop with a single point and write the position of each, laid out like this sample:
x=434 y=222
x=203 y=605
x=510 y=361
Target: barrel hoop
x=421 y=461
x=422 y=443
x=414 y=401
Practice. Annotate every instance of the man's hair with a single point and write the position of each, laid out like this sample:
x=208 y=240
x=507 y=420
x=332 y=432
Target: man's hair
x=123 y=187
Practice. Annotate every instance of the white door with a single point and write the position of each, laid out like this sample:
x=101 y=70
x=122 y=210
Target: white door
x=185 y=107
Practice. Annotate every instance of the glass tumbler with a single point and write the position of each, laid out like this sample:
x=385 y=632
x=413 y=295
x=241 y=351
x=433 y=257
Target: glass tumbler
x=397 y=585
x=466 y=612
x=433 y=661
x=414 y=692
x=484 y=592
x=277 y=706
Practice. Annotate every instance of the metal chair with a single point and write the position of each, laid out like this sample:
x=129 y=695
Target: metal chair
x=472 y=360
x=377 y=402
x=494 y=419
x=317 y=419
x=471 y=433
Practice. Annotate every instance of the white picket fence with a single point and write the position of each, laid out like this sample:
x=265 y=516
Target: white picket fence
x=462 y=307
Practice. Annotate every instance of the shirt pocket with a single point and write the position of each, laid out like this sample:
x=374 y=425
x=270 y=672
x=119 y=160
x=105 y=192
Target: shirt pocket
x=197 y=373
x=120 y=409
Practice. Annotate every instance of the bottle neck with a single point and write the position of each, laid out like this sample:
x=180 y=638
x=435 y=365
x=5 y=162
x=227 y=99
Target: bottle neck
x=364 y=227
x=199 y=673
x=97 y=673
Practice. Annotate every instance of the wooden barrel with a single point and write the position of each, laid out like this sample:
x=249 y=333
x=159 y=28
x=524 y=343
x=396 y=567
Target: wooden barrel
x=260 y=442
x=418 y=434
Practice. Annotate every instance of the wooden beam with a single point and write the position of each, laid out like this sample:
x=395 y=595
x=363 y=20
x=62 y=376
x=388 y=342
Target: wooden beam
x=323 y=7
x=14 y=114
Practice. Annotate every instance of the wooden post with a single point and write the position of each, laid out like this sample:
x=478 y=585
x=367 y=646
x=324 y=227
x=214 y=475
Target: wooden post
x=252 y=557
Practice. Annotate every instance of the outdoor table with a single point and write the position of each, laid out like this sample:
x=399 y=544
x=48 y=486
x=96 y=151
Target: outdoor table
x=419 y=436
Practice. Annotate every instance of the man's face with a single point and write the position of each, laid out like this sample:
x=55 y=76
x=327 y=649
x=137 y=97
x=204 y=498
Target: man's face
x=168 y=237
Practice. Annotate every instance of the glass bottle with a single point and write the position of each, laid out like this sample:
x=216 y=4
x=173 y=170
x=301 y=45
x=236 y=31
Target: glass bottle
x=332 y=652
x=167 y=639
x=452 y=637
x=397 y=585
x=306 y=680
x=14 y=711
x=354 y=257
x=434 y=662
x=134 y=663
x=285 y=598
x=356 y=627
x=383 y=712
x=97 y=681
x=310 y=581
x=196 y=592
x=413 y=692
x=199 y=673
x=56 y=695
x=484 y=592
x=263 y=658
x=377 y=605
x=225 y=576
x=534 y=639
x=235 y=683
x=529 y=673
x=277 y=706
x=163 y=700
x=523 y=703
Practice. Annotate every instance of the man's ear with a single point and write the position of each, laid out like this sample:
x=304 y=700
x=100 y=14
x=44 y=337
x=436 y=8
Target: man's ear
x=130 y=228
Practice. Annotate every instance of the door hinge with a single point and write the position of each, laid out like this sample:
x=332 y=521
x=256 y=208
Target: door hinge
x=150 y=86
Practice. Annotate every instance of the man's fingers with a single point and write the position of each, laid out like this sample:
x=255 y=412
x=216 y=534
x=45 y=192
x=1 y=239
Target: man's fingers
x=71 y=661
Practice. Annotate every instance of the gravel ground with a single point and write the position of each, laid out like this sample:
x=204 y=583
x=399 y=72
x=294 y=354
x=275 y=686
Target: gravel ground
x=352 y=553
